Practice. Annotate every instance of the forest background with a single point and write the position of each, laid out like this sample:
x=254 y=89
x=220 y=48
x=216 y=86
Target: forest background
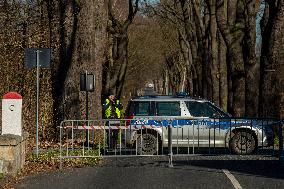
x=228 y=51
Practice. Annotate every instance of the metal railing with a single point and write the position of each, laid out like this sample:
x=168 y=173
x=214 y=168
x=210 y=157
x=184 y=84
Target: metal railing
x=170 y=136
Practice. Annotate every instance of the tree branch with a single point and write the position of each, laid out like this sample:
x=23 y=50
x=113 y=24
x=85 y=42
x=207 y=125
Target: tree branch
x=114 y=22
x=132 y=10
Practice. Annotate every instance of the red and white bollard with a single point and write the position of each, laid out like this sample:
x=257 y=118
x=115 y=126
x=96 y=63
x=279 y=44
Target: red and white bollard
x=12 y=114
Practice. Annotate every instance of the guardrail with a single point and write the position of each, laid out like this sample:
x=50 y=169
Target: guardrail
x=171 y=136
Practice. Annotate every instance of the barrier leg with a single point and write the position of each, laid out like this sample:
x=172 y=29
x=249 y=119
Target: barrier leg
x=281 y=153
x=170 y=145
x=60 y=148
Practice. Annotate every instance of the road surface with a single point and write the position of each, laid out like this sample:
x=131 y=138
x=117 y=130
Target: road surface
x=153 y=172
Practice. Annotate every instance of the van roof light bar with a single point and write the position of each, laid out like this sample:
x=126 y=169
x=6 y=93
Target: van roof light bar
x=181 y=94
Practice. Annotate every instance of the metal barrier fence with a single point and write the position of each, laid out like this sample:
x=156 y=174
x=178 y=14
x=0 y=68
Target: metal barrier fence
x=171 y=136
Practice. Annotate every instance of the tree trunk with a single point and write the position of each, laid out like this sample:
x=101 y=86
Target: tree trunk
x=222 y=51
x=66 y=54
x=82 y=30
x=116 y=66
x=214 y=53
x=238 y=79
x=231 y=26
x=193 y=25
x=117 y=71
x=271 y=86
x=186 y=63
x=251 y=66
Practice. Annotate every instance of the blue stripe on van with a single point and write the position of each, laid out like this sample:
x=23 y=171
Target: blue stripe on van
x=208 y=122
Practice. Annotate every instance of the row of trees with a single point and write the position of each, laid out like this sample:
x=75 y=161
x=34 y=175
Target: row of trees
x=206 y=48
x=83 y=35
x=217 y=56
x=77 y=34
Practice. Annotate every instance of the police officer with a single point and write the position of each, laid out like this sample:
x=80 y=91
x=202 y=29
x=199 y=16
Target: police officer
x=112 y=110
x=112 y=107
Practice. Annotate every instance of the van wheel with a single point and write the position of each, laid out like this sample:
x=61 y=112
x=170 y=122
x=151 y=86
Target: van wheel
x=242 y=143
x=148 y=146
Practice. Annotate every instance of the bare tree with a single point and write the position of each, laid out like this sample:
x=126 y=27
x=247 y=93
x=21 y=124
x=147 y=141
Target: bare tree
x=195 y=34
x=249 y=52
x=146 y=55
x=77 y=31
x=67 y=15
x=115 y=67
x=271 y=84
x=231 y=25
x=213 y=52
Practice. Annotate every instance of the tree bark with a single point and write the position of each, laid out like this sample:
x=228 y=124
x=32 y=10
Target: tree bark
x=66 y=54
x=214 y=52
x=194 y=29
x=231 y=26
x=116 y=66
x=222 y=51
x=251 y=65
x=271 y=86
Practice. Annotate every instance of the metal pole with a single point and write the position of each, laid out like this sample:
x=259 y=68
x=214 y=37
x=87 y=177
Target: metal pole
x=87 y=99
x=87 y=105
x=87 y=108
x=37 y=99
x=170 y=145
x=60 y=147
x=281 y=153
x=280 y=140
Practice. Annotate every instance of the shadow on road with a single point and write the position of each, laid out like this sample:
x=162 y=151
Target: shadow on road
x=259 y=168
x=253 y=165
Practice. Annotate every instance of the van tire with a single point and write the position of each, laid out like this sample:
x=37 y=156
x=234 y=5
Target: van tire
x=149 y=144
x=243 y=143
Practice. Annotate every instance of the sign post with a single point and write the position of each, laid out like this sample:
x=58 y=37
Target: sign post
x=37 y=98
x=87 y=84
x=37 y=58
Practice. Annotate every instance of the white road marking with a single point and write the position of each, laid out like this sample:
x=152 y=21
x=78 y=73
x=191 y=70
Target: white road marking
x=234 y=181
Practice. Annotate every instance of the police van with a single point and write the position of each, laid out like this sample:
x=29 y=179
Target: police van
x=195 y=123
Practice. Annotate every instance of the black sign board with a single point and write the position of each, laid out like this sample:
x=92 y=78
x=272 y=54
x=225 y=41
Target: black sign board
x=87 y=82
x=31 y=57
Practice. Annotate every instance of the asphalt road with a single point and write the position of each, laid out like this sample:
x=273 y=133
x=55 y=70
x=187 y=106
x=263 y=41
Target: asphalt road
x=153 y=172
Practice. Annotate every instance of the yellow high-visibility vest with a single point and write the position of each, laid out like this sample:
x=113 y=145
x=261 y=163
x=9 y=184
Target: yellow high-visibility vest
x=108 y=110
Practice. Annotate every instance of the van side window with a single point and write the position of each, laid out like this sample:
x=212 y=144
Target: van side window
x=200 y=109
x=142 y=108
x=168 y=109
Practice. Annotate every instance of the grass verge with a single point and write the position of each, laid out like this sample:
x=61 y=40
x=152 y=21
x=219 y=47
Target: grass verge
x=49 y=161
